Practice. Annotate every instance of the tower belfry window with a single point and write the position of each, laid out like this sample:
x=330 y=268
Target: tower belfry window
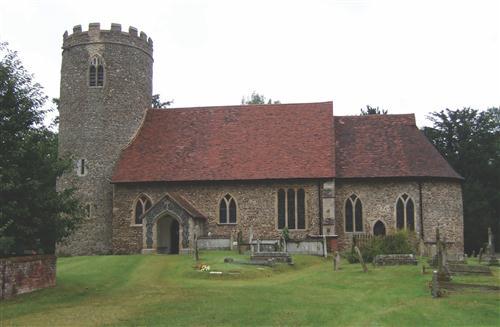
x=96 y=71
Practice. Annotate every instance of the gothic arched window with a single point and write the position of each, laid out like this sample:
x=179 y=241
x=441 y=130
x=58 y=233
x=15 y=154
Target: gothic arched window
x=96 y=71
x=291 y=209
x=353 y=214
x=142 y=204
x=405 y=213
x=227 y=210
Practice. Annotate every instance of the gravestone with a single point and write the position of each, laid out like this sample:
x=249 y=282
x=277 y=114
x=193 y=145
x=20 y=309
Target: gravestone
x=491 y=259
x=462 y=269
x=394 y=259
x=336 y=261
x=473 y=253
x=435 y=290
x=360 y=257
x=196 y=253
x=480 y=256
x=443 y=274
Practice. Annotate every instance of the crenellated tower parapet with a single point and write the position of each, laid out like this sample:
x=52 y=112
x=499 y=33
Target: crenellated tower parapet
x=115 y=35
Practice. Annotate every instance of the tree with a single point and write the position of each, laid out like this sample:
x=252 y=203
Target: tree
x=157 y=103
x=256 y=98
x=32 y=214
x=470 y=141
x=372 y=111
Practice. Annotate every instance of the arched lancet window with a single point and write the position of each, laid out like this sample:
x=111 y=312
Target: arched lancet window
x=227 y=210
x=405 y=213
x=291 y=209
x=142 y=204
x=353 y=214
x=96 y=71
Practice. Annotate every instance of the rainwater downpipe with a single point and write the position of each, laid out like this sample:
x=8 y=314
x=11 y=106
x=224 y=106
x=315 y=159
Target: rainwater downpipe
x=320 y=206
x=421 y=210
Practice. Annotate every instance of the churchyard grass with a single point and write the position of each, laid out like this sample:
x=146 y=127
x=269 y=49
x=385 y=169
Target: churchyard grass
x=167 y=290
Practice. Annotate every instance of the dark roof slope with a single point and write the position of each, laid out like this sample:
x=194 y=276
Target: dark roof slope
x=231 y=143
x=386 y=146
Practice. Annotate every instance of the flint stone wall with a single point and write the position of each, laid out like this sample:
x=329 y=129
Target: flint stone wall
x=20 y=275
x=256 y=204
x=97 y=122
x=441 y=204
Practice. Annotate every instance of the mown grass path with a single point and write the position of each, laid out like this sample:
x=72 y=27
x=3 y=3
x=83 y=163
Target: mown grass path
x=167 y=290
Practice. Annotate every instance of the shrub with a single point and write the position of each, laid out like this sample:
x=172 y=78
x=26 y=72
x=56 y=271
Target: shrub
x=398 y=243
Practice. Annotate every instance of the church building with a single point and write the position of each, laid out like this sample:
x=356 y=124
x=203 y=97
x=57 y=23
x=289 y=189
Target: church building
x=151 y=179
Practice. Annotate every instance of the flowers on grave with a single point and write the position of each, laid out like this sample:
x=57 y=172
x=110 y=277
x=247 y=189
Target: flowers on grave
x=205 y=268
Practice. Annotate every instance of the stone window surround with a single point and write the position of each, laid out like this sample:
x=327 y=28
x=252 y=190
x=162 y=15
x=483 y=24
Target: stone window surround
x=88 y=210
x=354 y=216
x=82 y=163
x=222 y=198
x=134 y=205
x=405 y=203
x=295 y=189
x=96 y=60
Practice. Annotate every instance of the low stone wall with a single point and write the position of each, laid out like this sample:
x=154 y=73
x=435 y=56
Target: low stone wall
x=312 y=247
x=214 y=243
x=20 y=275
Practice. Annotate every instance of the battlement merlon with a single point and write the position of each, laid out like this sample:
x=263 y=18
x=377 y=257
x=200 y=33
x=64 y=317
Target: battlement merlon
x=94 y=35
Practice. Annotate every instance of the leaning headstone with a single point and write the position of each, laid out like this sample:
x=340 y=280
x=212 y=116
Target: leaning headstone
x=480 y=255
x=360 y=257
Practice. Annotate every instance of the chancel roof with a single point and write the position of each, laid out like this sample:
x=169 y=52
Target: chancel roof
x=386 y=146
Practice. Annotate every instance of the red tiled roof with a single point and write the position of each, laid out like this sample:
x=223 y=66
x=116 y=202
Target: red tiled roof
x=231 y=143
x=386 y=146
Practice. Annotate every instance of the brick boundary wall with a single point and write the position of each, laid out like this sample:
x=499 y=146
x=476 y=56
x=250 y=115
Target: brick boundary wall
x=20 y=275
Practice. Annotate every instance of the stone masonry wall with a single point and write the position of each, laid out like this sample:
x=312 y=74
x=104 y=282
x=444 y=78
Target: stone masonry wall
x=97 y=122
x=442 y=204
x=256 y=205
x=20 y=275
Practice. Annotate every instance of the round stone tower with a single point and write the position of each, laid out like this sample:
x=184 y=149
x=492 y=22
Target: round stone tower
x=106 y=86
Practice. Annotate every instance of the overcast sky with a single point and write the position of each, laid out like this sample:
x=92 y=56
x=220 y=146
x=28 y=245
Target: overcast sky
x=405 y=56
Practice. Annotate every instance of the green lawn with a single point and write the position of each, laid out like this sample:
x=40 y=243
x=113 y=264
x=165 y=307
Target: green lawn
x=167 y=290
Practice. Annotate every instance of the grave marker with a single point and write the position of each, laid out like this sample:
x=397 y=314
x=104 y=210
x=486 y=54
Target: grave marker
x=360 y=257
x=480 y=256
x=491 y=259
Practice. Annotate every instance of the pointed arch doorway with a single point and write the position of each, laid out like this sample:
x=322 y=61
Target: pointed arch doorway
x=167 y=233
x=379 y=229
